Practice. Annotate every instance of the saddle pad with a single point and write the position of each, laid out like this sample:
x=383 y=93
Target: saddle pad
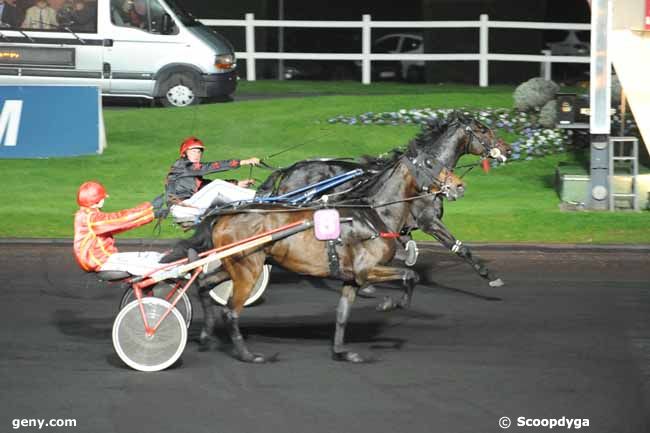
x=327 y=225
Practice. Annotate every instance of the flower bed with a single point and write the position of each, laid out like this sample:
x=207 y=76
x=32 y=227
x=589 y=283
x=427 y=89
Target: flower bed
x=530 y=139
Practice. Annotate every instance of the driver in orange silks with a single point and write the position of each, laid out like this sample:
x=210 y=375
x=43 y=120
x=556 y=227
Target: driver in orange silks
x=94 y=245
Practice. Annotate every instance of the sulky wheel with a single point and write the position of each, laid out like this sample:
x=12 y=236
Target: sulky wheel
x=222 y=291
x=162 y=290
x=149 y=353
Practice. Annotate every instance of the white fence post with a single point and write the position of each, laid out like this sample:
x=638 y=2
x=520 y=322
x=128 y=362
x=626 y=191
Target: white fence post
x=250 y=47
x=483 y=51
x=545 y=67
x=365 y=50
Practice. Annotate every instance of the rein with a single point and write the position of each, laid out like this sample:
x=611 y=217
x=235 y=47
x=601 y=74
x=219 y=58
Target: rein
x=289 y=208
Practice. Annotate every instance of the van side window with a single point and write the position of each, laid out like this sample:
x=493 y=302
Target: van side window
x=70 y=15
x=147 y=15
x=79 y=16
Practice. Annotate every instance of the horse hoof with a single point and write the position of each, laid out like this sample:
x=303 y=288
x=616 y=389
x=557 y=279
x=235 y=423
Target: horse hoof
x=404 y=304
x=388 y=304
x=254 y=358
x=496 y=283
x=367 y=292
x=204 y=341
x=258 y=358
x=348 y=357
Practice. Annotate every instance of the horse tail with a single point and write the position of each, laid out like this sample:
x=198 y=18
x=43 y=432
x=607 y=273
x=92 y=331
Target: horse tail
x=200 y=241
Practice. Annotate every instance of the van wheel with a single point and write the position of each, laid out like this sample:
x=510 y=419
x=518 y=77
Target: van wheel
x=179 y=90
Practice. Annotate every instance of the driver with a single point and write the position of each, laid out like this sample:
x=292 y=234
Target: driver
x=94 y=245
x=189 y=195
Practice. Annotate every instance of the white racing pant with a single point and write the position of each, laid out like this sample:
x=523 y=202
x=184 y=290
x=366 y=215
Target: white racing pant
x=218 y=190
x=135 y=263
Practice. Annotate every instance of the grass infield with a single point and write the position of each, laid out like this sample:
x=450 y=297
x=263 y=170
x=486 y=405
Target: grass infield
x=513 y=203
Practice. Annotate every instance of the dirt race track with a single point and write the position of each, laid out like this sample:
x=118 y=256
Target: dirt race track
x=568 y=336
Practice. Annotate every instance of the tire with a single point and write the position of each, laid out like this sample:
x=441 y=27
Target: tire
x=162 y=291
x=222 y=291
x=149 y=353
x=179 y=90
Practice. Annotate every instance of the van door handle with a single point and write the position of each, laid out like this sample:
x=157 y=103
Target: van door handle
x=106 y=70
x=108 y=42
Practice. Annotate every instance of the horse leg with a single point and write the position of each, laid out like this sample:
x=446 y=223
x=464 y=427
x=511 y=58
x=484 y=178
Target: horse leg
x=339 y=351
x=434 y=227
x=209 y=319
x=209 y=307
x=244 y=272
x=409 y=278
x=231 y=319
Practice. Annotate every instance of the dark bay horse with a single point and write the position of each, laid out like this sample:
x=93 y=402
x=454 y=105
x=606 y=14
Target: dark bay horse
x=361 y=251
x=446 y=141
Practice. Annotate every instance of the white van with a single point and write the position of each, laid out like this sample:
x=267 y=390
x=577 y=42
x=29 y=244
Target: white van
x=132 y=48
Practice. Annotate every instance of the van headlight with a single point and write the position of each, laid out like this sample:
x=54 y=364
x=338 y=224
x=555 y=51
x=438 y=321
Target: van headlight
x=225 y=61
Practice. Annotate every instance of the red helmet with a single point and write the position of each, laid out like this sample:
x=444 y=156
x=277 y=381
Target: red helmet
x=90 y=193
x=190 y=143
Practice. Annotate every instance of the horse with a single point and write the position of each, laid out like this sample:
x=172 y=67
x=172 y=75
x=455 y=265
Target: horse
x=446 y=140
x=359 y=256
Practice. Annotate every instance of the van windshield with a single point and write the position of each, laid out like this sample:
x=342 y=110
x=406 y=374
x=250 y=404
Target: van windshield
x=185 y=17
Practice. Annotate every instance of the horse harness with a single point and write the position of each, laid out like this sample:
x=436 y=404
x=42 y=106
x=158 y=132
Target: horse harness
x=426 y=171
x=489 y=151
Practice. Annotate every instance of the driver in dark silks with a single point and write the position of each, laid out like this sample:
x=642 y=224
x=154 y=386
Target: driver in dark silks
x=94 y=245
x=189 y=195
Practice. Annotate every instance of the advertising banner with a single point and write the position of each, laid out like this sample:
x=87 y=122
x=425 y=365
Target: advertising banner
x=50 y=121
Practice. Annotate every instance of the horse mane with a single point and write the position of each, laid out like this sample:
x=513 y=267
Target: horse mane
x=377 y=166
x=430 y=132
x=435 y=127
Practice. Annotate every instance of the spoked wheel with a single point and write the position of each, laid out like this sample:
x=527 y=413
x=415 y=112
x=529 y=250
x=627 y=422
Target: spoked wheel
x=149 y=353
x=222 y=291
x=164 y=291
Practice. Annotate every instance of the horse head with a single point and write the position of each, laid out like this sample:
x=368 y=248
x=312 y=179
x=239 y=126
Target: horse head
x=431 y=175
x=452 y=186
x=480 y=139
x=460 y=134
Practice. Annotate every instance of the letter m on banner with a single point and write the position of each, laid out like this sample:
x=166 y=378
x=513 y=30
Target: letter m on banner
x=10 y=122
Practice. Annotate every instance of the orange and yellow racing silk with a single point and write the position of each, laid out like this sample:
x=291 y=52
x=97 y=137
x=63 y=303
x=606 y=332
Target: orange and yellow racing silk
x=94 y=230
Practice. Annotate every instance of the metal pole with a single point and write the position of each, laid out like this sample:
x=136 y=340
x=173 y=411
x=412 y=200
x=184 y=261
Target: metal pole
x=483 y=42
x=623 y=112
x=250 y=47
x=281 y=40
x=546 y=66
x=365 y=50
x=600 y=101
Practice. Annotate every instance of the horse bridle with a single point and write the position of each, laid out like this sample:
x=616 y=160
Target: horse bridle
x=426 y=170
x=491 y=151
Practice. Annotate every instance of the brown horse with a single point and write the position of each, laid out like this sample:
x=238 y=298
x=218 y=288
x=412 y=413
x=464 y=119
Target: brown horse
x=359 y=256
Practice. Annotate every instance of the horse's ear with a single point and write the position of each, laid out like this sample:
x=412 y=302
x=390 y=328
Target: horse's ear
x=432 y=124
x=412 y=148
